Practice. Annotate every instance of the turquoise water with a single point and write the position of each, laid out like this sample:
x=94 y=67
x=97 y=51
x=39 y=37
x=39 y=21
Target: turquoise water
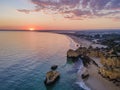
x=25 y=57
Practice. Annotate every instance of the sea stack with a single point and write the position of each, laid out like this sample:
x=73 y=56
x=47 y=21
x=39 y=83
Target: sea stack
x=52 y=76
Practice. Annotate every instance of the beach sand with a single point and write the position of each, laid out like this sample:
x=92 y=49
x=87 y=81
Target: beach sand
x=85 y=43
x=95 y=80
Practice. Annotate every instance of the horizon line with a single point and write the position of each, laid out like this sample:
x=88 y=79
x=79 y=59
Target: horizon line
x=59 y=30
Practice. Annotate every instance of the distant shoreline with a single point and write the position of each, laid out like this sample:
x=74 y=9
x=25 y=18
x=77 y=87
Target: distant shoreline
x=65 y=31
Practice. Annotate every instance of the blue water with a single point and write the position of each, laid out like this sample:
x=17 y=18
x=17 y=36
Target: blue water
x=25 y=57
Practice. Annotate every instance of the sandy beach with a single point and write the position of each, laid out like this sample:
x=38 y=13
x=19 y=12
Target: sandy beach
x=95 y=80
x=83 y=42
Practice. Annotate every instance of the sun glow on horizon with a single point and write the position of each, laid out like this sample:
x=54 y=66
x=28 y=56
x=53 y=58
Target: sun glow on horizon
x=31 y=29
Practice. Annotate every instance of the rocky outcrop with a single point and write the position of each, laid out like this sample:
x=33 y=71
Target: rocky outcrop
x=111 y=61
x=111 y=67
x=51 y=77
x=81 y=52
x=72 y=53
x=85 y=75
x=111 y=74
x=54 y=67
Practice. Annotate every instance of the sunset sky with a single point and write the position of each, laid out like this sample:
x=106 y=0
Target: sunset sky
x=59 y=14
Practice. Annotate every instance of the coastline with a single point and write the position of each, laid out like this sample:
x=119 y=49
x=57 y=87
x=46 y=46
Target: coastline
x=95 y=80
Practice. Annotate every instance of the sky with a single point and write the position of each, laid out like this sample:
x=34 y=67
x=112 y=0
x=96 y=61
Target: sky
x=59 y=14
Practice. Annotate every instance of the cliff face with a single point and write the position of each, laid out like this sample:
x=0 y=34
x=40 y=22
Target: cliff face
x=111 y=67
x=111 y=74
x=83 y=51
x=111 y=62
x=72 y=53
x=95 y=53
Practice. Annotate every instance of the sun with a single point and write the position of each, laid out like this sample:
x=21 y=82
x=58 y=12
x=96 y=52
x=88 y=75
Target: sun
x=31 y=29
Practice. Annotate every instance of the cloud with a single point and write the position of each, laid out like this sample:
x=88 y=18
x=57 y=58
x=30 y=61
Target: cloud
x=77 y=8
x=24 y=10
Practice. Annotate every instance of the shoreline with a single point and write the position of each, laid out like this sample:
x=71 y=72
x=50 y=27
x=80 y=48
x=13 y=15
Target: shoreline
x=79 y=41
x=95 y=80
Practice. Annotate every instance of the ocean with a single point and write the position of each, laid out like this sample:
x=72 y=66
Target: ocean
x=25 y=57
